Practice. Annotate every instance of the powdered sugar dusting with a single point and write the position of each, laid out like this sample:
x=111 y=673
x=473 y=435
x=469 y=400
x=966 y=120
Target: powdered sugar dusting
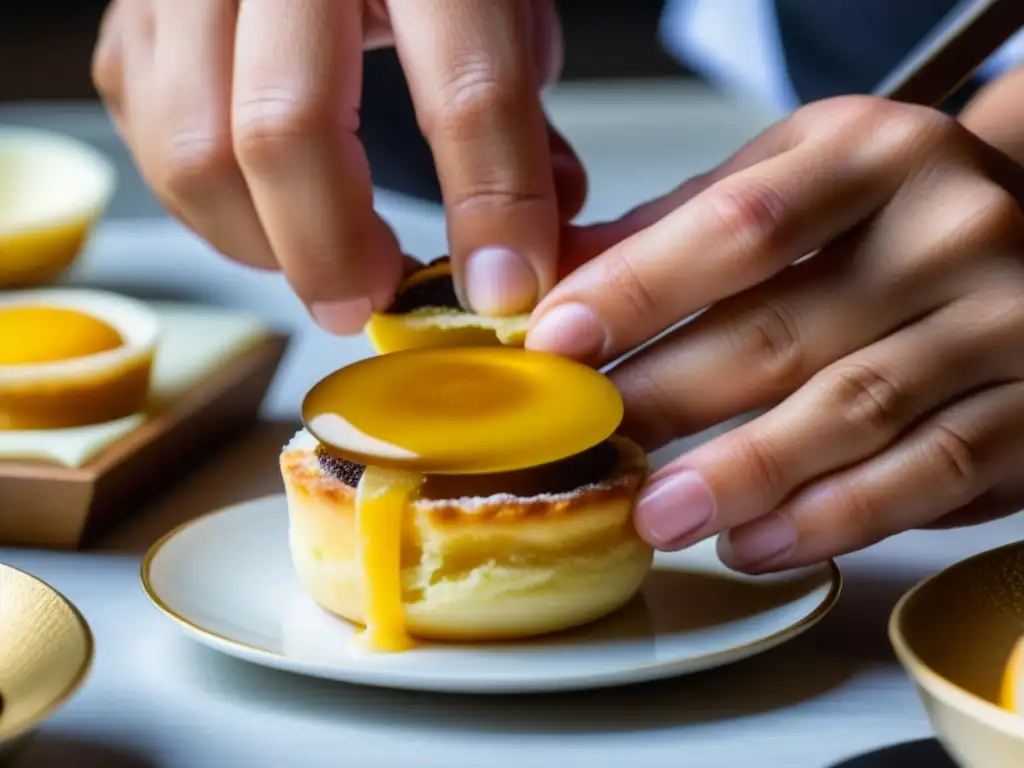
x=302 y=441
x=471 y=503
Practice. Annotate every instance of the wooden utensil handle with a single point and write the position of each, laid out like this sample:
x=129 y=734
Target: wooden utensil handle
x=947 y=58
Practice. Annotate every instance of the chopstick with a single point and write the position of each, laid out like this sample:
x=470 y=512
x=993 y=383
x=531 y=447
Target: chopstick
x=953 y=52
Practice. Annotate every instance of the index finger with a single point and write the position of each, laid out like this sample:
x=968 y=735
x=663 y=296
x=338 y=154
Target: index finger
x=297 y=83
x=475 y=86
x=731 y=236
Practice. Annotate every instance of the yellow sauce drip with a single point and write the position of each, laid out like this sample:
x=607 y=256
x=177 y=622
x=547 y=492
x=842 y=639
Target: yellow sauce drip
x=462 y=411
x=382 y=499
x=38 y=334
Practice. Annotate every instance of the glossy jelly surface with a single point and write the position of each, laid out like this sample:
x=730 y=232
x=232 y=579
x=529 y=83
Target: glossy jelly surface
x=462 y=410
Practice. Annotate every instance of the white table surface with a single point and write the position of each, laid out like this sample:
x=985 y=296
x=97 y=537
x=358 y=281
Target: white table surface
x=155 y=698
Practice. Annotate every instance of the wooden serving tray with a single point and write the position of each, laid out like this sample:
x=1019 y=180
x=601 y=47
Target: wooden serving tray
x=52 y=506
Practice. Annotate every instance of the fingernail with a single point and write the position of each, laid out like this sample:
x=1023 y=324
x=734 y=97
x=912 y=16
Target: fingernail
x=758 y=544
x=342 y=317
x=673 y=508
x=499 y=282
x=570 y=329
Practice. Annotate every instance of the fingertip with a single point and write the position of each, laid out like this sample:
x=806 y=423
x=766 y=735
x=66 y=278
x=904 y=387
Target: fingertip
x=498 y=281
x=345 y=317
x=572 y=329
x=673 y=511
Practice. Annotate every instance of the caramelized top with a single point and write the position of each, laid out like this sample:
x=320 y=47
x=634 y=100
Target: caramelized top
x=476 y=410
x=38 y=334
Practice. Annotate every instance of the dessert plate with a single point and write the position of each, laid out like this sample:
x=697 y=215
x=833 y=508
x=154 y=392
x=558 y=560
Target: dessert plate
x=46 y=650
x=226 y=579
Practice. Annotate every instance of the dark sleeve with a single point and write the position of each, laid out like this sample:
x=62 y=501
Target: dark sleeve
x=400 y=158
x=832 y=47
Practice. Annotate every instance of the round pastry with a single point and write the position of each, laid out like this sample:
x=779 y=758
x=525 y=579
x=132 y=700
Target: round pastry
x=73 y=357
x=483 y=556
x=426 y=312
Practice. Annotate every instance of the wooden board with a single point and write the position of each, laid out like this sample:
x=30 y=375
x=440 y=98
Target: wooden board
x=51 y=506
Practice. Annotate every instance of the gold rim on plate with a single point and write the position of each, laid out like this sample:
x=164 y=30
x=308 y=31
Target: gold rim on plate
x=949 y=692
x=820 y=611
x=75 y=679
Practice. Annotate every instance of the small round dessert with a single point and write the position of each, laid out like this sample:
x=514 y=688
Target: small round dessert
x=426 y=312
x=72 y=358
x=507 y=495
x=480 y=558
x=53 y=189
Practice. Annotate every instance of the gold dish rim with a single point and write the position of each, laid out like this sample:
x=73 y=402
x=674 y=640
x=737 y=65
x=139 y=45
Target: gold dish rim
x=951 y=694
x=77 y=679
x=823 y=609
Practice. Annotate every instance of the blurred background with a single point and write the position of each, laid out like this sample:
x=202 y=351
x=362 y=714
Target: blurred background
x=613 y=61
x=44 y=43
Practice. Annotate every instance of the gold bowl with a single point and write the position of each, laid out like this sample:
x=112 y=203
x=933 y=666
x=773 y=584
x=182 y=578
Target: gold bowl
x=46 y=651
x=53 y=189
x=955 y=634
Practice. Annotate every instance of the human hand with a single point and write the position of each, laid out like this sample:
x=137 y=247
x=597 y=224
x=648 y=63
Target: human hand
x=891 y=360
x=242 y=117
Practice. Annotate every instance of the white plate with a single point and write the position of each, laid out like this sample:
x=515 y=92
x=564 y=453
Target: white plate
x=227 y=580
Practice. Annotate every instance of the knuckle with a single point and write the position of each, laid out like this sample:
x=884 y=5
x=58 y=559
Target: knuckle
x=979 y=232
x=843 y=116
x=491 y=193
x=859 y=516
x=769 y=337
x=194 y=162
x=955 y=460
x=473 y=100
x=272 y=124
x=766 y=473
x=869 y=400
x=880 y=130
x=851 y=111
x=913 y=132
x=994 y=316
x=749 y=214
x=630 y=283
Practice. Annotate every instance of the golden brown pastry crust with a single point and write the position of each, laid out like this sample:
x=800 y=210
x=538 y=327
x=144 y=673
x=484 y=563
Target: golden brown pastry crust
x=479 y=569
x=303 y=474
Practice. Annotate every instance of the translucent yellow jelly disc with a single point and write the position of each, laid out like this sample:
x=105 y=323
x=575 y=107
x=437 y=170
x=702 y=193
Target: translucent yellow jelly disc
x=465 y=410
